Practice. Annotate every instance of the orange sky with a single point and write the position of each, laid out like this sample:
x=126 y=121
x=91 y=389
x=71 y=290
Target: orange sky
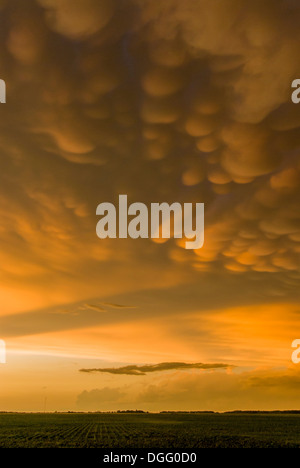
x=163 y=101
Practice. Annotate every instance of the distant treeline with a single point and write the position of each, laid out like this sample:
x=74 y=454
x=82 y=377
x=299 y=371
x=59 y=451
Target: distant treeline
x=160 y=412
x=187 y=412
x=263 y=412
x=234 y=412
x=132 y=411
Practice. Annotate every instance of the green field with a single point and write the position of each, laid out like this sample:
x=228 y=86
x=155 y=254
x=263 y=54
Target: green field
x=149 y=430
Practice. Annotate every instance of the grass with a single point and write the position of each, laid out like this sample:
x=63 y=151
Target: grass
x=175 y=430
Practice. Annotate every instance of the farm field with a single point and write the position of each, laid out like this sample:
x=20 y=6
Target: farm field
x=174 y=430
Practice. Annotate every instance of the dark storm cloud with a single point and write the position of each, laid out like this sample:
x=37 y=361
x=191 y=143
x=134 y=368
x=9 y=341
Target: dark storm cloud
x=162 y=367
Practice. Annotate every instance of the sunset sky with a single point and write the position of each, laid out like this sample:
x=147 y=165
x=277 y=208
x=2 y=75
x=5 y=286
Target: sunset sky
x=165 y=101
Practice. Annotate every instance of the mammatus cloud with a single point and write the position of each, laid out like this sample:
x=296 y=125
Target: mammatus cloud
x=162 y=367
x=193 y=95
